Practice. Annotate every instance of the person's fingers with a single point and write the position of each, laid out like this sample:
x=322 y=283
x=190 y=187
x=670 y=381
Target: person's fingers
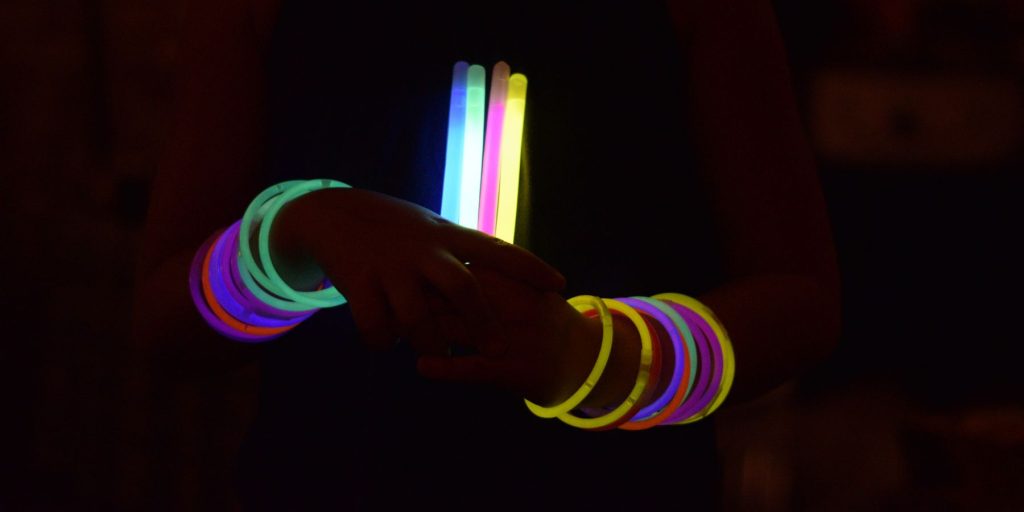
x=426 y=339
x=412 y=315
x=473 y=369
x=511 y=260
x=453 y=330
x=459 y=287
x=408 y=302
x=370 y=312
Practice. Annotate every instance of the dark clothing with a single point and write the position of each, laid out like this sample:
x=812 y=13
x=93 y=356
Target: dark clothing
x=361 y=95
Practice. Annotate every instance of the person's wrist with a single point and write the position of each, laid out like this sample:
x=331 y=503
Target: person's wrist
x=292 y=241
x=572 y=363
x=620 y=375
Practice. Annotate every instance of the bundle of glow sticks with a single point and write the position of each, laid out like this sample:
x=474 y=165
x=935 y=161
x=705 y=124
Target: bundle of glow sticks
x=481 y=173
x=697 y=348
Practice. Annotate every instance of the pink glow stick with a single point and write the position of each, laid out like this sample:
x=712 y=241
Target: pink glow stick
x=492 y=148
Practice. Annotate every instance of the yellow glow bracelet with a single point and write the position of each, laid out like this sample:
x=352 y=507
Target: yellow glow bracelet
x=511 y=152
x=728 y=356
x=642 y=378
x=584 y=303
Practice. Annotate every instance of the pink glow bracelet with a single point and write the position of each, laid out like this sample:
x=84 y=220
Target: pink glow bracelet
x=680 y=365
x=711 y=365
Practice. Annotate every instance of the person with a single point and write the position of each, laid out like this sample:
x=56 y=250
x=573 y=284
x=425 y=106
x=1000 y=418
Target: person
x=663 y=152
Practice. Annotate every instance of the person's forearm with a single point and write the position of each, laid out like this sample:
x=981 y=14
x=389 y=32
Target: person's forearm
x=169 y=331
x=780 y=325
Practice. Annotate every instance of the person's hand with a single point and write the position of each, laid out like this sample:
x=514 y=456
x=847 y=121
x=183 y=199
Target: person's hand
x=388 y=256
x=538 y=345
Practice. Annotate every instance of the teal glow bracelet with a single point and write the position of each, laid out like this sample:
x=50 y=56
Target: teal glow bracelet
x=247 y=266
x=325 y=298
x=250 y=269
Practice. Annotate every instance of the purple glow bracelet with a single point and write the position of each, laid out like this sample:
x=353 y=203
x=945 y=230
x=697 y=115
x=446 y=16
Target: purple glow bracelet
x=680 y=362
x=195 y=288
x=231 y=300
x=711 y=350
x=257 y=305
x=227 y=259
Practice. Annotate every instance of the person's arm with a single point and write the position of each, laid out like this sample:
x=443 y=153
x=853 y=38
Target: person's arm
x=209 y=171
x=781 y=303
x=780 y=300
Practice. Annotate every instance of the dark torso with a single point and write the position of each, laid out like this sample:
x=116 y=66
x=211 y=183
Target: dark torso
x=613 y=201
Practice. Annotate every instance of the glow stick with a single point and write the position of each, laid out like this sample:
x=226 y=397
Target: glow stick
x=472 y=147
x=492 y=148
x=456 y=135
x=511 y=151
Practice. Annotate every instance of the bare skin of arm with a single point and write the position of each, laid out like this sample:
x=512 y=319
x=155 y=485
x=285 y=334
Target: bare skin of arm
x=209 y=172
x=781 y=305
x=781 y=301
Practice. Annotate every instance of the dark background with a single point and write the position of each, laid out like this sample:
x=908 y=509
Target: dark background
x=913 y=106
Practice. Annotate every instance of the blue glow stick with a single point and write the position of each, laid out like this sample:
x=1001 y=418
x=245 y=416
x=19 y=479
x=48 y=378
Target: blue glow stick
x=450 y=194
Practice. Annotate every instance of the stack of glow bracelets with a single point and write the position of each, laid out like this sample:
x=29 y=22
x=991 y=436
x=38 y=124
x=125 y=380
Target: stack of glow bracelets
x=481 y=173
x=238 y=291
x=241 y=295
x=698 y=349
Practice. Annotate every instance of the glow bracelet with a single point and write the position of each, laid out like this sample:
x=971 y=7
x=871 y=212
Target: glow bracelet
x=511 y=152
x=224 y=316
x=493 y=148
x=247 y=265
x=685 y=390
x=472 y=148
x=450 y=194
x=195 y=290
x=628 y=407
x=680 y=370
x=582 y=304
x=710 y=374
x=248 y=298
x=724 y=351
x=322 y=298
x=225 y=293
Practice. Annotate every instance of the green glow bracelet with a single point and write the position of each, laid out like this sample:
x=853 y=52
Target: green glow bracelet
x=247 y=265
x=325 y=298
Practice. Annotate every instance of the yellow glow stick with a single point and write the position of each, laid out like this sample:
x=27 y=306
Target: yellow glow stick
x=511 y=152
